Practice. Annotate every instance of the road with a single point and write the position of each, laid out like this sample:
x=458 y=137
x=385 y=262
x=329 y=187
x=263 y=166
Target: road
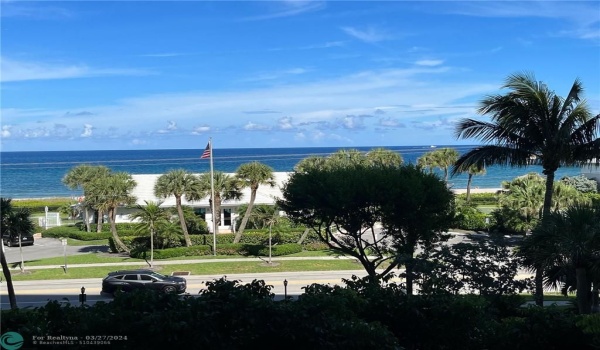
x=37 y=293
x=48 y=248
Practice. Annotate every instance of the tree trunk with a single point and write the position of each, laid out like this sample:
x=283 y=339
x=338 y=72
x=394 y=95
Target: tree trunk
x=9 y=283
x=304 y=235
x=539 y=284
x=594 y=298
x=583 y=291
x=100 y=220
x=87 y=219
x=469 y=187
x=238 y=234
x=151 y=245
x=113 y=229
x=186 y=235
x=409 y=267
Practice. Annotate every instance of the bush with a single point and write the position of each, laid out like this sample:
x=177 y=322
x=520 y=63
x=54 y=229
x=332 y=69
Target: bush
x=73 y=232
x=469 y=218
x=479 y=198
x=506 y=220
x=196 y=250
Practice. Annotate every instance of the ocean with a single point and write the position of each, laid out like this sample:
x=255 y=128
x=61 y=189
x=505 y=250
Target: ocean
x=39 y=174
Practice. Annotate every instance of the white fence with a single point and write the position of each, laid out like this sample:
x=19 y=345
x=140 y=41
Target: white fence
x=49 y=220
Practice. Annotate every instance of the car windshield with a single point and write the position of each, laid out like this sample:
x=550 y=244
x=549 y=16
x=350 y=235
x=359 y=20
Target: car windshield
x=158 y=276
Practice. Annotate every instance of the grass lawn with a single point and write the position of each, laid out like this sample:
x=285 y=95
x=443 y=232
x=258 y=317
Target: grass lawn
x=195 y=269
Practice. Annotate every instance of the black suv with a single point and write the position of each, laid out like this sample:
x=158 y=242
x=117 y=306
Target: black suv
x=12 y=240
x=127 y=281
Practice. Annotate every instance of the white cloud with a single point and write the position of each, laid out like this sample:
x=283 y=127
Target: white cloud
x=250 y=126
x=429 y=63
x=87 y=130
x=201 y=130
x=285 y=123
x=368 y=35
x=13 y=70
x=5 y=131
x=288 y=8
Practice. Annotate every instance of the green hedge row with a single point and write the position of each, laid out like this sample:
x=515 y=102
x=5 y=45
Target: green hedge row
x=257 y=237
x=480 y=198
x=74 y=232
x=224 y=249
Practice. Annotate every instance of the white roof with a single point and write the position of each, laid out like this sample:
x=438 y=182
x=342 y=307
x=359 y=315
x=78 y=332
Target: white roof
x=144 y=191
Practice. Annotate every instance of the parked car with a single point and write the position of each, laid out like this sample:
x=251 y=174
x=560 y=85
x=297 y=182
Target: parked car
x=12 y=240
x=129 y=280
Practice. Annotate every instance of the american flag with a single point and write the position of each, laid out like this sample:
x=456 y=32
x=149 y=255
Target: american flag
x=206 y=153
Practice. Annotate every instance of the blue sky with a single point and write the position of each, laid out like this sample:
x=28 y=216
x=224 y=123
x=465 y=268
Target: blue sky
x=157 y=75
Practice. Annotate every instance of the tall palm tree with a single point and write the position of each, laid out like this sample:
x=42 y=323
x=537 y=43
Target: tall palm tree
x=110 y=192
x=531 y=124
x=79 y=177
x=444 y=158
x=150 y=215
x=5 y=211
x=427 y=162
x=252 y=175
x=475 y=169
x=384 y=157
x=179 y=183
x=19 y=222
x=226 y=188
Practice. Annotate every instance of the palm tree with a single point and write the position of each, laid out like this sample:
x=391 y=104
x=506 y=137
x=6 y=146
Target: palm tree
x=5 y=211
x=79 y=177
x=569 y=240
x=531 y=124
x=252 y=175
x=444 y=158
x=150 y=216
x=384 y=157
x=427 y=161
x=19 y=222
x=226 y=188
x=110 y=192
x=179 y=183
x=475 y=169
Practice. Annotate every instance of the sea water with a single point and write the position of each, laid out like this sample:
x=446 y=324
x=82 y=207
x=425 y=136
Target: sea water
x=39 y=174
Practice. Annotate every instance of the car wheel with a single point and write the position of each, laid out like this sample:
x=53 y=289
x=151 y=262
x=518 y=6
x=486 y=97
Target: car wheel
x=169 y=289
x=8 y=244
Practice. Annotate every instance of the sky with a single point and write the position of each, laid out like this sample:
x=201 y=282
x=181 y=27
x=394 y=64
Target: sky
x=108 y=75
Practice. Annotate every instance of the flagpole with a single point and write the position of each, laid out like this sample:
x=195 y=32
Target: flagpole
x=212 y=196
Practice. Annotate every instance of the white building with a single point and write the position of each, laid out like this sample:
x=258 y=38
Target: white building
x=144 y=191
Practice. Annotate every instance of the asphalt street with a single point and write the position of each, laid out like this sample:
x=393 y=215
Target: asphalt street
x=48 y=248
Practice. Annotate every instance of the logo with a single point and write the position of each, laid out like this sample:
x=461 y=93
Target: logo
x=11 y=340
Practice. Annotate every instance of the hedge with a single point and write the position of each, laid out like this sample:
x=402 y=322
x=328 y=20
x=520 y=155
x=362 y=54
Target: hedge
x=224 y=249
x=480 y=198
x=256 y=237
x=196 y=250
x=74 y=232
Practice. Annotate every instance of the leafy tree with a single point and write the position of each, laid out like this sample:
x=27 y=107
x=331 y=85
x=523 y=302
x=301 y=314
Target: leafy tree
x=383 y=157
x=6 y=210
x=343 y=201
x=80 y=177
x=471 y=268
x=109 y=192
x=226 y=188
x=252 y=175
x=444 y=158
x=180 y=183
x=415 y=208
x=531 y=124
x=150 y=215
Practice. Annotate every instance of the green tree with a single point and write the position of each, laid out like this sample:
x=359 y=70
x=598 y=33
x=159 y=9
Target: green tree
x=343 y=201
x=252 y=175
x=180 y=183
x=569 y=239
x=531 y=124
x=427 y=162
x=226 y=188
x=80 y=177
x=109 y=192
x=19 y=223
x=444 y=158
x=384 y=157
x=150 y=216
x=5 y=212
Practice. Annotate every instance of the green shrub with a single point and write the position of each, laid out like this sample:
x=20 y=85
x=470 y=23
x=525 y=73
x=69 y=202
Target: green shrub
x=196 y=250
x=73 y=232
x=469 y=218
x=480 y=198
x=279 y=250
x=315 y=246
